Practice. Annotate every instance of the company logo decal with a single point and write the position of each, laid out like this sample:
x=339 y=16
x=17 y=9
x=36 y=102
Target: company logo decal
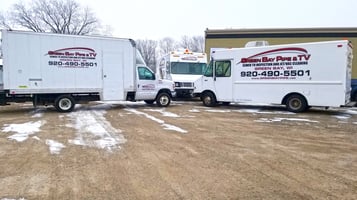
x=283 y=63
x=73 y=57
x=148 y=87
x=191 y=58
x=276 y=55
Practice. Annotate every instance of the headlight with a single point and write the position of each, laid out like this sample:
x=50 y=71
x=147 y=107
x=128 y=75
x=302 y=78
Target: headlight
x=177 y=84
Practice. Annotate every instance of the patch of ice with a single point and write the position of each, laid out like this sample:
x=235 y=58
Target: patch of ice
x=162 y=122
x=94 y=130
x=278 y=119
x=55 y=147
x=22 y=131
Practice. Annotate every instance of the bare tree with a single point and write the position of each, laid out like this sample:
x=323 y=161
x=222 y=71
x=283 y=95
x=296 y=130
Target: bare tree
x=195 y=43
x=166 y=45
x=57 y=16
x=147 y=49
x=198 y=44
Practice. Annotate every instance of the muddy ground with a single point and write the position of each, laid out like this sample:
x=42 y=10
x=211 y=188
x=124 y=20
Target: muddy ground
x=185 y=151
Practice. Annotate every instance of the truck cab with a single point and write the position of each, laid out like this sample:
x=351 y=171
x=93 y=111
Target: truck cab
x=149 y=87
x=184 y=67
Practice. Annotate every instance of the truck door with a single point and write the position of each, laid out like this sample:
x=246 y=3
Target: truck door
x=223 y=80
x=218 y=78
x=113 y=81
x=146 y=84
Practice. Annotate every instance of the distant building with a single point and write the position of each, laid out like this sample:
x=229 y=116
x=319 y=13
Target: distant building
x=232 y=38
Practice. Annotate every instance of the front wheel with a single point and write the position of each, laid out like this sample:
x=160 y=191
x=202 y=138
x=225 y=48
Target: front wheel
x=163 y=99
x=64 y=103
x=296 y=103
x=209 y=99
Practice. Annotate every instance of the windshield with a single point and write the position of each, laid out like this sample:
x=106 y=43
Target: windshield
x=139 y=58
x=187 y=68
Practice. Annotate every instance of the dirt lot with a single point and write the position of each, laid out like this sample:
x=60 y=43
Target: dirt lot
x=185 y=151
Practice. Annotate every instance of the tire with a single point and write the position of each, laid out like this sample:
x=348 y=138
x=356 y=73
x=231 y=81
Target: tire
x=64 y=103
x=354 y=96
x=208 y=99
x=296 y=103
x=149 y=101
x=163 y=99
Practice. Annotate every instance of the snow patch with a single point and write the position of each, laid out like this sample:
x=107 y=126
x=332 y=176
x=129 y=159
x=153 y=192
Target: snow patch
x=94 y=130
x=36 y=138
x=342 y=117
x=278 y=119
x=55 y=147
x=258 y=111
x=22 y=131
x=218 y=111
x=194 y=110
x=163 y=112
x=351 y=112
x=162 y=122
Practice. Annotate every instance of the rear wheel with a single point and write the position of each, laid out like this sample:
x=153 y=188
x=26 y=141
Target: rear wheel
x=296 y=103
x=163 y=99
x=209 y=99
x=64 y=103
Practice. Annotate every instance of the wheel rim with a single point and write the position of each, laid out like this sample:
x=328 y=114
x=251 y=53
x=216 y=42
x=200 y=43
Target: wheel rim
x=65 y=104
x=295 y=104
x=164 y=100
x=207 y=100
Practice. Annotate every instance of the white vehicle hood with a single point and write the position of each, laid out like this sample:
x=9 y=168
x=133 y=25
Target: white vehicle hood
x=185 y=77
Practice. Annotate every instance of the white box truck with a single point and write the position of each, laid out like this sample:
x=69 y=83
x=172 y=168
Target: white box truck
x=62 y=70
x=184 y=67
x=295 y=75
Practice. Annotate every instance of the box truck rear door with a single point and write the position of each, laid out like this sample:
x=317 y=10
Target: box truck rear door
x=113 y=81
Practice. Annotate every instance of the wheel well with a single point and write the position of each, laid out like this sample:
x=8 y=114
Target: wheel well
x=283 y=102
x=164 y=91
x=208 y=91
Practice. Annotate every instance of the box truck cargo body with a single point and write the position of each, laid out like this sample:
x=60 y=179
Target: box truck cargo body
x=64 y=69
x=295 y=75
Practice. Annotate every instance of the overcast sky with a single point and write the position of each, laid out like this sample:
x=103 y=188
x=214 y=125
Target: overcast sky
x=156 y=19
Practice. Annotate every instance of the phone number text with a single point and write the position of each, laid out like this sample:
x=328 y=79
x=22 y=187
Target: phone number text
x=72 y=64
x=285 y=73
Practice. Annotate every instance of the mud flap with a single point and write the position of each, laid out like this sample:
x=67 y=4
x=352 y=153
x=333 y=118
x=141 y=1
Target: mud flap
x=2 y=99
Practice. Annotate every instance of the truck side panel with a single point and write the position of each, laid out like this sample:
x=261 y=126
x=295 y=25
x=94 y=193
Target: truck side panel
x=319 y=71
